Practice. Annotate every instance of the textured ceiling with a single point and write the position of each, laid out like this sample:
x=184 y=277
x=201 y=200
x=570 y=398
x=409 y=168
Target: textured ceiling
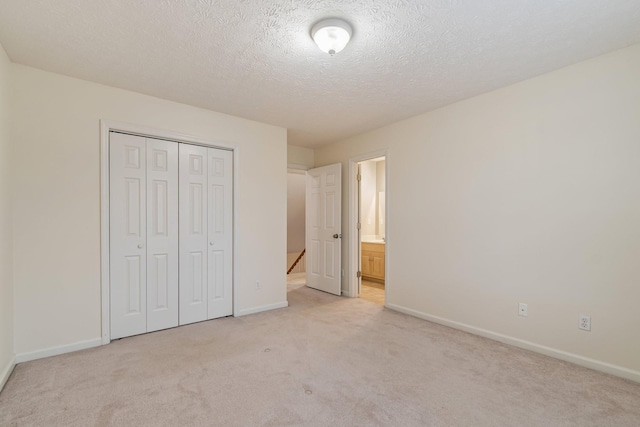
x=255 y=58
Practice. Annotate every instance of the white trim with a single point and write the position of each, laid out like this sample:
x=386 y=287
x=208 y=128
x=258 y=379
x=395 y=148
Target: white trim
x=104 y=231
x=6 y=372
x=597 y=365
x=262 y=308
x=57 y=350
x=144 y=131
x=353 y=248
x=236 y=190
x=352 y=244
x=107 y=126
x=297 y=166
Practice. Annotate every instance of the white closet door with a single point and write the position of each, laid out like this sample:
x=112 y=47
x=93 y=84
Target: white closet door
x=171 y=224
x=220 y=215
x=193 y=233
x=127 y=237
x=162 y=234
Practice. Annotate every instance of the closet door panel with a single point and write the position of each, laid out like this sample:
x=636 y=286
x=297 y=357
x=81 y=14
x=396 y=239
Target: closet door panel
x=220 y=224
x=128 y=228
x=162 y=234
x=193 y=233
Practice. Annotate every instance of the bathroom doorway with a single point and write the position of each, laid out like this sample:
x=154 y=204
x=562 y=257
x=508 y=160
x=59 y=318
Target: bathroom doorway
x=372 y=236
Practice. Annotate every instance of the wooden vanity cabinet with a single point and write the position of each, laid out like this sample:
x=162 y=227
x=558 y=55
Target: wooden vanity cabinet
x=372 y=261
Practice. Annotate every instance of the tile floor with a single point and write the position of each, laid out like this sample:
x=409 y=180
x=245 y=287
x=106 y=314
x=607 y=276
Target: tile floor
x=372 y=291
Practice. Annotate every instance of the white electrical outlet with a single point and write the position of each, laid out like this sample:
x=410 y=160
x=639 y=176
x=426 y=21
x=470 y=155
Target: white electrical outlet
x=523 y=310
x=585 y=323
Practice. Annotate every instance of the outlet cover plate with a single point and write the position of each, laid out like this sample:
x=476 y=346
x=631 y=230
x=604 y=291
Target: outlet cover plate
x=585 y=323
x=523 y=310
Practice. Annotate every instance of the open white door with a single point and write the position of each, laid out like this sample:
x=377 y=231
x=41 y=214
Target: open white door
x=324 y=228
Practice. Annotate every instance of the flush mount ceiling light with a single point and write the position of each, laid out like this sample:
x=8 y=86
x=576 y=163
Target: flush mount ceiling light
x=331 y=35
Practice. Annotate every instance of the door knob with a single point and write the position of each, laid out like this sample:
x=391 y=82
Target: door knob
x=335 y=236
x=211 y=243
x=140 y=245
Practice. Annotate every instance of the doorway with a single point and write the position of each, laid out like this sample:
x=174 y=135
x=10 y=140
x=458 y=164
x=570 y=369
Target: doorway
x=296 y=252
x=370 y=217
x=372 y=229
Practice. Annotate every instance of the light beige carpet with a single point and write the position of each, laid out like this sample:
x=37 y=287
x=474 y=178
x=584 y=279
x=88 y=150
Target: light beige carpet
x=324 y=361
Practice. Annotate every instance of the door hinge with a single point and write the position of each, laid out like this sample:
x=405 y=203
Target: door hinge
x=359 y=177
x=358 y=226
x=359 y=274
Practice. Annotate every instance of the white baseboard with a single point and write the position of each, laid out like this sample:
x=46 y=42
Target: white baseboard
x=6 y=372
x=55 y=351
x=262 y=308
x=597 y=365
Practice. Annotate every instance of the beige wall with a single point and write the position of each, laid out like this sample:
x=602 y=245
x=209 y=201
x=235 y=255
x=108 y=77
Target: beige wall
x=368 y=192
x=372 y=182
x=296 y=191
x=527 y=194
x=300 y=157
x=381 y=198
x=6 y=248
x=57 y=201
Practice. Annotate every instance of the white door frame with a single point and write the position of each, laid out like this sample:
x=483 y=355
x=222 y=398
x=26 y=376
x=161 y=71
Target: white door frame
x=107 y=126
x=354 y=241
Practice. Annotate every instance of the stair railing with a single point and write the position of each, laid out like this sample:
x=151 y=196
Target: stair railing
x=296 y=261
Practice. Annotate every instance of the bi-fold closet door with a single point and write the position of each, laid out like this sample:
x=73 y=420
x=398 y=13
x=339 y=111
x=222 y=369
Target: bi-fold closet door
x=143 y=234
x=205 y=233
x=170 y=234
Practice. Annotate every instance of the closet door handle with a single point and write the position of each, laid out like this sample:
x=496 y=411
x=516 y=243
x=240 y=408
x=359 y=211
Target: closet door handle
x=140 y=245
x=211 y=243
